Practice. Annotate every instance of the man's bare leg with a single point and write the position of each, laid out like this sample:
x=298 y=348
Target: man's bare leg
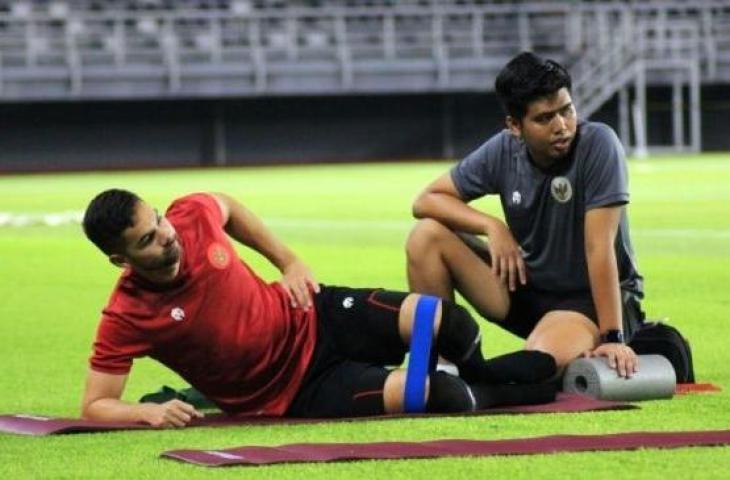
x=452 y=394
x=563 y=334
x=439 y=262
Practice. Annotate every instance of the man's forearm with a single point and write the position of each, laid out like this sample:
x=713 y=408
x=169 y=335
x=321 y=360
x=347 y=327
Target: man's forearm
x=452 y=212
x=113 y=410
x=603 y=274
x=601 y=226
x=246 y=228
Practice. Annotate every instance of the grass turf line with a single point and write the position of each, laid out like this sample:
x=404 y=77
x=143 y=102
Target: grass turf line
x=54 y=284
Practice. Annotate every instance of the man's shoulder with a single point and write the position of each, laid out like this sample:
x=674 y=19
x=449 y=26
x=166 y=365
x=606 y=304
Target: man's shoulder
x=499 y=146
x=503 y=141
x=193 y=209
x=193 y=201
x=598 y=144
x=596 y=132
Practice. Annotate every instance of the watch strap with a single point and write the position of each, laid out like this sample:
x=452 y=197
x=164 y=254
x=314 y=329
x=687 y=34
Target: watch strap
x=612 y=336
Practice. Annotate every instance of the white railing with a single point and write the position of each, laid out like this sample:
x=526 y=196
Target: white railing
x=198 y=48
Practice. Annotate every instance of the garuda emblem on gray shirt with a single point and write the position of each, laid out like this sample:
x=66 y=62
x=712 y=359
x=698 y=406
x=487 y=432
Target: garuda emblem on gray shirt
x=561 y=189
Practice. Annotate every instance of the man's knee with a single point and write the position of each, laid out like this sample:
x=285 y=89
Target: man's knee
x=459 y=334
x=444 y=393
x=393 y=390
x=407 y=315
x=423 y=237
x=564 y=335
x=449 y=394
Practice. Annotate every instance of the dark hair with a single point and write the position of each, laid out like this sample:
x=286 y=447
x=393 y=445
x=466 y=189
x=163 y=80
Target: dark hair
x=107 y=216
x=527 y=78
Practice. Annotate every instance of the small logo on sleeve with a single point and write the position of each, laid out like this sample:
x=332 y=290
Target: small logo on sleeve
x=561 y=189
x=177 y=314
x=348 y=302
x=516 y=198
x=218 y=256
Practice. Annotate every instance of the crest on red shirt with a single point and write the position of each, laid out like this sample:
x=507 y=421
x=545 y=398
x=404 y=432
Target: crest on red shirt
x=218 y=256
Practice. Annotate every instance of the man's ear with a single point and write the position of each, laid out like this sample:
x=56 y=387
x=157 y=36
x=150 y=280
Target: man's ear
x=514 y=126
x=118 y=260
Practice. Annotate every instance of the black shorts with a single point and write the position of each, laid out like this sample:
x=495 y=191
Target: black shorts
x=357 y=338
x=528 y=306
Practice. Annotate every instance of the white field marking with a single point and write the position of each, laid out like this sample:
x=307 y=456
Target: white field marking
x=709 y=233
x=350 y=224
x=44 y=219
x=405 y=225
x=644 y=167
x=8 y=219
x=69 y=217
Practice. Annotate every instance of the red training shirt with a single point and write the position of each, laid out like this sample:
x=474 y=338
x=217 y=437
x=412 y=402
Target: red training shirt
x=218 y=325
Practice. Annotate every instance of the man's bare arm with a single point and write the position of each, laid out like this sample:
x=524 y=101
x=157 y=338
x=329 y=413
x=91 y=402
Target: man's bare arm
x=245 y=227
x=601 y=226
x=441 y=201
x=102 y=402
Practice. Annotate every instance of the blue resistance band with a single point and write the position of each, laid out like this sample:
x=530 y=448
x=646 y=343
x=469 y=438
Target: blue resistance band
x=414 y=400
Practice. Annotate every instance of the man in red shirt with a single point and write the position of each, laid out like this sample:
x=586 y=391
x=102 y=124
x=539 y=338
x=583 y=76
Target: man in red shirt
x=291 y=347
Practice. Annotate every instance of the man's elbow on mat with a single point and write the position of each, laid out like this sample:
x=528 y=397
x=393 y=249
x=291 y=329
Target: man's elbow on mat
x=101 y=388
x=100 y=410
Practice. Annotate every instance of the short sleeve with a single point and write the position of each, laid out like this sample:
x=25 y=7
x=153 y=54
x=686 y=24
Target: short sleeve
x=606 y=173
x=117 y=344
x=191 y=204
x=476 y=175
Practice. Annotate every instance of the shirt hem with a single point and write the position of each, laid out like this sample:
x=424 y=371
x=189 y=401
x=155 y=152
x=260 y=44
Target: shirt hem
x=619 y=198
x=111 y=371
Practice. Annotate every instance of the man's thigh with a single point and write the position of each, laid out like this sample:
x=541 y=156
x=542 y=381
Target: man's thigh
x=343 y=389
x=529 y=306
x=361 y=324
x=469 y=262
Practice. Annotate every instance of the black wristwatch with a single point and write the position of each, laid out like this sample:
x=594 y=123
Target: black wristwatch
x=612 y=336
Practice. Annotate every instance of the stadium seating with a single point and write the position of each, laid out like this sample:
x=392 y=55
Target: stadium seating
x=82 y=49
x=140 y=49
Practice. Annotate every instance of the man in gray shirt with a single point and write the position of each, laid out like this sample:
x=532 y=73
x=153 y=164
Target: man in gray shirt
x=561 y=272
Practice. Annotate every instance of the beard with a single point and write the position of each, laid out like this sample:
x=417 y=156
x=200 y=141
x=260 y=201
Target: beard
x=170 y=256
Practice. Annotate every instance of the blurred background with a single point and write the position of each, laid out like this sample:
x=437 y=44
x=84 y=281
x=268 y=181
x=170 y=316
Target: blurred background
x=122 y=84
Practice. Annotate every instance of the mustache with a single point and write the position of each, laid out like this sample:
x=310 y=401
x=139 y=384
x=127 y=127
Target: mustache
x=175 y=239
x=170 y=256
x=172 y=253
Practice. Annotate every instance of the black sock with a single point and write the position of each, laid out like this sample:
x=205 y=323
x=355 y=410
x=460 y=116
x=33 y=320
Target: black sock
x=523 y=366
x=488 y=396
x=459 y=341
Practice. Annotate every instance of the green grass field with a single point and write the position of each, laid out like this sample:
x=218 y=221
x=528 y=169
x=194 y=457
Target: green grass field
x=349 y=223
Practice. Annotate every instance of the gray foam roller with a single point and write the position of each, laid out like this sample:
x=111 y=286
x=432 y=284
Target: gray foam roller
x=594 y=378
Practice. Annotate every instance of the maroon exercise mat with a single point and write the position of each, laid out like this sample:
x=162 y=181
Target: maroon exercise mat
x=692 y=388
x=39 y=425
x=337 y=452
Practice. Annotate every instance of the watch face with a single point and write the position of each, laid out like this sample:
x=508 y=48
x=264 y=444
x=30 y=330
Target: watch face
x=613 y=336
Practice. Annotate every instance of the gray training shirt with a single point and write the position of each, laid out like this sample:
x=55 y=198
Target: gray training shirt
x=546 y=210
